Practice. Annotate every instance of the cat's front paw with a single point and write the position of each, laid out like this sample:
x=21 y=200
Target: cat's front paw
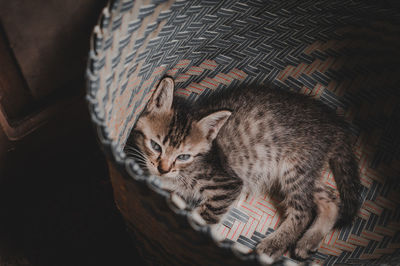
x=207 y=214
x=270 y=249
x=307 y=245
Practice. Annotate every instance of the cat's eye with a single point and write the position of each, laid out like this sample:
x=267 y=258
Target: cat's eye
x=155 y=146
x=183 y=157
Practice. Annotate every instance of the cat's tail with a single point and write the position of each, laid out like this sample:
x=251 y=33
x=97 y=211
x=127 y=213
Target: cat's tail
x=345 y=170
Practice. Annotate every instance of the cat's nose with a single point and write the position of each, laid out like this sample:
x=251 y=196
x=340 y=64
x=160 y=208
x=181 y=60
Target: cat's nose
x=162 y=170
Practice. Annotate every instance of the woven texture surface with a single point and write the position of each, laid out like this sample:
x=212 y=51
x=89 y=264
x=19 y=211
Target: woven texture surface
x=343 y=53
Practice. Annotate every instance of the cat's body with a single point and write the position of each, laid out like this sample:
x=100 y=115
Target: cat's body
x=250 y=140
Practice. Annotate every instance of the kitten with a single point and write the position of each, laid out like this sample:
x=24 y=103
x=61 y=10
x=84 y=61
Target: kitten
x=250 y=140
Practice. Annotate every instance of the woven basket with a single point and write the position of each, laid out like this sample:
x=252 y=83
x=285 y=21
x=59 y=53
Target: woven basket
x=344 y=53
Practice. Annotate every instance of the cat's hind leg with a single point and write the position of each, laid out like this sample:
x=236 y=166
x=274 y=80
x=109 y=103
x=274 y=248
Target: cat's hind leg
x=299 y=207
x=327 y=213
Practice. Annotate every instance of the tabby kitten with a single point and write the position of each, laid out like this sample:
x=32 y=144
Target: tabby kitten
x=251 y=140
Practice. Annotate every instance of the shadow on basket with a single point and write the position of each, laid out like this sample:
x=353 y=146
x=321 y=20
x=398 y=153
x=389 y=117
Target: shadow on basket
x=343 y=55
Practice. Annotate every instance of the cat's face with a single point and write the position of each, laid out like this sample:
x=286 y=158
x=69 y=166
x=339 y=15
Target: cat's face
x=163 y=157
x=169 y=141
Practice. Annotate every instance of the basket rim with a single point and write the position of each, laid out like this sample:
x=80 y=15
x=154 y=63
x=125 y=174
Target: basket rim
x=128 y=166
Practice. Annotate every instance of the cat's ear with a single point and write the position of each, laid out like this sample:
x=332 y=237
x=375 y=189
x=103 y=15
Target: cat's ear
x=161 y=100
x=211 y=124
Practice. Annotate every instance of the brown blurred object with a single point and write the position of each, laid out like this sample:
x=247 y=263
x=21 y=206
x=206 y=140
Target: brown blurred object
x=43 y=51
x=55 y=196
x=50 y=41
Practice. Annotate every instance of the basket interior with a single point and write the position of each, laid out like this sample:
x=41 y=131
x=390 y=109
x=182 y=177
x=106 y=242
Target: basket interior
x=344 y=54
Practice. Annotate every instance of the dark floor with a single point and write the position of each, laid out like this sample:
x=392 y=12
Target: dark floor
x=56 y=203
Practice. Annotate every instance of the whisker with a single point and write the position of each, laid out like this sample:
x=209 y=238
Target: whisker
x=183 y=180
x=135 y=155
x=131 y=148
x=139 y=160
x=134 y=150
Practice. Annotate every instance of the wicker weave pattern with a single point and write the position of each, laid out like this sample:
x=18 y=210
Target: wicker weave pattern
x=347 y=58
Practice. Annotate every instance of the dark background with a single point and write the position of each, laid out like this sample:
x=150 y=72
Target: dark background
x=56 y=205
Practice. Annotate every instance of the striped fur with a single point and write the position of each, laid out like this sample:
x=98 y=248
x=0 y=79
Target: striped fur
x=249 y=140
